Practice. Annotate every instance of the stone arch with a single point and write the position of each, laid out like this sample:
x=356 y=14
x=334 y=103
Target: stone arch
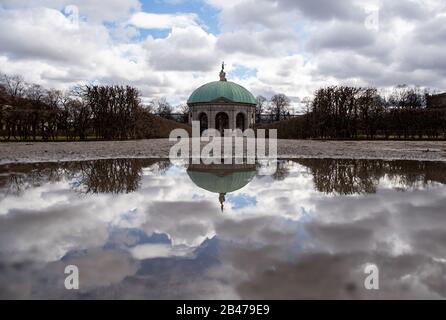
x=240 y=121
x=221 y=122
x=204 y=121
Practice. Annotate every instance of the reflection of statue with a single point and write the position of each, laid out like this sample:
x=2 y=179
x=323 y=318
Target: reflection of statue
x=221 y=178
x=222 y=199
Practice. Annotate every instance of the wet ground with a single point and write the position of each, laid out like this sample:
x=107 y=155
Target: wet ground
x=144 y=228
x=19 y=152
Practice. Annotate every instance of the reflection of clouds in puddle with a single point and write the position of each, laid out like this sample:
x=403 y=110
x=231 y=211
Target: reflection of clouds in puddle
x=241 y=200
x=185 y=222
x=39 y=198
x=150 y=251
x=279 y=238
x=47 y=235
x=100 y=268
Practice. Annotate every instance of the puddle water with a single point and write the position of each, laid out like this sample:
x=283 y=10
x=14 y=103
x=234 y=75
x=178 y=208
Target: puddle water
x=141 y=228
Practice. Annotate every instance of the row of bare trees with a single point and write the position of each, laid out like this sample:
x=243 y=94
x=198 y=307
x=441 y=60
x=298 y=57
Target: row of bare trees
x=343 y=112
x=114 y=110
x=30 y=112
x=162 y=108
x=351 y=112
x=277 y=108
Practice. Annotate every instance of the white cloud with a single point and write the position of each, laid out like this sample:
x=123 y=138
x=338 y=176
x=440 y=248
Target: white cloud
x=46 y=34
x=146 y=20
x=184 y=49
x=93 y=11
x=150 y=251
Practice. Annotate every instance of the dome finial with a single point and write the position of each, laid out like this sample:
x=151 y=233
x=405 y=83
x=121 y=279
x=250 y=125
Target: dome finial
x=222 y=199
x=222 y=72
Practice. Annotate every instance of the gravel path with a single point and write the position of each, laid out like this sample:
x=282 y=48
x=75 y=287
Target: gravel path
x=11 y=152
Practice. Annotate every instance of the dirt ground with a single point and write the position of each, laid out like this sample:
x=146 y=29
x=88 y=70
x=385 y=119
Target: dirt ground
x=12 y=152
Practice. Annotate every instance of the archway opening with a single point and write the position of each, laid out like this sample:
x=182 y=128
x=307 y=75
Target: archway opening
x=203 y=118
x=222 y=122
x=240 y=121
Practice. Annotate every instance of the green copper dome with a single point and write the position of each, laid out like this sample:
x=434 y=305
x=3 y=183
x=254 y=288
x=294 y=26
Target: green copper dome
x=221 y=184
x=221 y=89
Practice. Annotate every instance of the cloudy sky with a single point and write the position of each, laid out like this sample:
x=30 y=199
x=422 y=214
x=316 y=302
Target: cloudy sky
x=167 y=48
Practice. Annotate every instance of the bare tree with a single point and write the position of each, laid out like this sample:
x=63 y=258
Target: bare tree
x=148 y=107
x=162 y=107
x=261 y=104
x=406 y=97
x=35 y=92
x=185 y=111
x=307 y=103
x=113 y=110
x=279 y=106
x=14 y=86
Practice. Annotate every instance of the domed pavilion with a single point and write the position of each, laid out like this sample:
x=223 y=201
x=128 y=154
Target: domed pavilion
x=222 y=105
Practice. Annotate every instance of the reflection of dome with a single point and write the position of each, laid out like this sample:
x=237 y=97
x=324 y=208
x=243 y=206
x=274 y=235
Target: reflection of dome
x=221 y=184
x=221 y=89
x=222 y=178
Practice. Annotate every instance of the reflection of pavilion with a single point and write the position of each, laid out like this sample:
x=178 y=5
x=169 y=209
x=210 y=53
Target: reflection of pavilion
x=221 y=178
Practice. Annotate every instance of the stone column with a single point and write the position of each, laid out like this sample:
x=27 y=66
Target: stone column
x=249 y=120
x=211 y=117
x=231 y=115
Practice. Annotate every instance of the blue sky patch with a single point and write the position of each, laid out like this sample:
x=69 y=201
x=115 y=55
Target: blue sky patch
x=242 y=72
x=241 y=200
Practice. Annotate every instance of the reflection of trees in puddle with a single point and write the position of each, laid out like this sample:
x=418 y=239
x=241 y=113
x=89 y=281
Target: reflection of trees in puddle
x=97 y=176
x=341 y=176
x=281 y=172
x=348 y=176
x=105 y=176
x=16 y=178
